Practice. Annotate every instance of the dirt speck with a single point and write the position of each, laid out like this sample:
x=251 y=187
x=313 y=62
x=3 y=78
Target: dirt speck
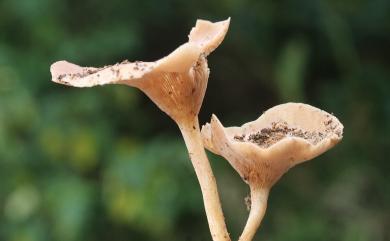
x=248 y=202
x=239 y=138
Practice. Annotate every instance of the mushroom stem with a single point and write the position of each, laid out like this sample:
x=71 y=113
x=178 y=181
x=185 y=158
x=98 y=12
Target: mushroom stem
x=259 y=197
x=192 y=137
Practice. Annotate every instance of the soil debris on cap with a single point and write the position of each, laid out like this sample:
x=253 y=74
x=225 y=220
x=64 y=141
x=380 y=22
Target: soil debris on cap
x=266 y=137
x=239 y=138
x=89 y=71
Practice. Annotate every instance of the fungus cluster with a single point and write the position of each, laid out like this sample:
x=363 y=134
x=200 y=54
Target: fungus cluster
x=260 y=151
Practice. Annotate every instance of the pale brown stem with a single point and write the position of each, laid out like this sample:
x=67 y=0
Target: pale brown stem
x=192 y=137
x=259 y=197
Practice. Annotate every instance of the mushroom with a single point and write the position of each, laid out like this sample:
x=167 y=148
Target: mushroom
x=176 y=84
x=263 y=150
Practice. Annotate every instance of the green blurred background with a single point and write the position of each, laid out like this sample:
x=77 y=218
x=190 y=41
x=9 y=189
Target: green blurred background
x=105 y=164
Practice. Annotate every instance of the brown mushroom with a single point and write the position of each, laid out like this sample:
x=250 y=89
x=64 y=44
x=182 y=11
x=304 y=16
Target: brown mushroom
x=176 y=84
x=263 y=150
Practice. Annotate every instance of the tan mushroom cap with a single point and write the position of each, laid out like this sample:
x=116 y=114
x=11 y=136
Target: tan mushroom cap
x=203 y=39
x=284 y=136
x=176 y=83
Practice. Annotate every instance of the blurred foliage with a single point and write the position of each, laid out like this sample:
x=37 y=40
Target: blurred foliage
x=106 y=164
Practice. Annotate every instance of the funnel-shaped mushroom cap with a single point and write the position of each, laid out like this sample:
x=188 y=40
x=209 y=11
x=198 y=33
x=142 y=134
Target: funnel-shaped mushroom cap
x=176 y=83
x=285 y=135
